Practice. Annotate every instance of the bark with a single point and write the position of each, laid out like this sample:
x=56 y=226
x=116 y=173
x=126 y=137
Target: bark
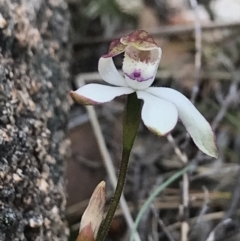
x=34 y=87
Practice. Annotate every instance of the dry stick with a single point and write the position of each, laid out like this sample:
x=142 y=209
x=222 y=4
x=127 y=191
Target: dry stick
x=235 y=199
x=203 y=209
x=107 y=160
x=198 y=49
x=168 y=202
x=231 y=96
x=161 y=223
x=184 y=206
x=161 y=32
x=205 y=205
x=209 y=216
x=232 y=93
x=212 y=235
x=232 y=211
x=159 y=205
x=195 y=90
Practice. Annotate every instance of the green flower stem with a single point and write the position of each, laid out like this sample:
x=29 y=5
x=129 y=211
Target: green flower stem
x=131 y=122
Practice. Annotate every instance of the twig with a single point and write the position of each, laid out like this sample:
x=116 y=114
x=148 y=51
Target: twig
x=232 y=93
x=182 y=156
x=195 y=90
x=198 y=57
x=235 y=199
x=165 y=203
x=205 y=204
x=198 y=49
x=107 y=160
x=161 y=223
x=225 y=104
x=218 y=171
x=209 y=216
x=156 y=192
x=185 y=195
x=226 y=219
x=231 y=96
x=203 y=211
x=212 y=235
x=161 y=32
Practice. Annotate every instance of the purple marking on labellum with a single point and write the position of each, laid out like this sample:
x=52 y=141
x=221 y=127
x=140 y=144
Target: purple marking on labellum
x=136 y=75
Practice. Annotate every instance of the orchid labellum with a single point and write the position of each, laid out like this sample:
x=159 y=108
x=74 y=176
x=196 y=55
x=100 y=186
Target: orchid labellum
x=162 y=106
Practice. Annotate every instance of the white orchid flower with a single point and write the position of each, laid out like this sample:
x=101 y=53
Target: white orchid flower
x=162 y=106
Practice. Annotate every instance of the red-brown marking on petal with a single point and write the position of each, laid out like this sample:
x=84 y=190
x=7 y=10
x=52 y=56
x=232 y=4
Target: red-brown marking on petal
x=86 y=234
x=140 y=39
x=82 y=100
x=116 y=47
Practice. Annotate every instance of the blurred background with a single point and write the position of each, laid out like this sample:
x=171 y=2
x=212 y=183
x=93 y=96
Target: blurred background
x=201 y=58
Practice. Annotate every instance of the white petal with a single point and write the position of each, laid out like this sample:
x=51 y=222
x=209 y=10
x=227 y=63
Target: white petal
x=159 y=115
x=197 y=126
x=109 y=73
x=140 y=66
x=93 y=94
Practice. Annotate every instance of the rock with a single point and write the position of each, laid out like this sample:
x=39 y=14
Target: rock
x=34 y=78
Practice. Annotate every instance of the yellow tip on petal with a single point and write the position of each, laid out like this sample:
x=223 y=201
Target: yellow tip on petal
x=155 y=131
x=81 y=99
x=213 y=151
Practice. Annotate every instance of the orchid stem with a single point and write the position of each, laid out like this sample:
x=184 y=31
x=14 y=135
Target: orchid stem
x=131 y=122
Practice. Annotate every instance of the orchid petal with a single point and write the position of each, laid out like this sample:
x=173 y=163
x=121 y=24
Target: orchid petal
x=93 y=94
x=158 y=115
x=109 y=73
x=197 y=126
x=140 y=67
x=140 y=39
x=116 y=48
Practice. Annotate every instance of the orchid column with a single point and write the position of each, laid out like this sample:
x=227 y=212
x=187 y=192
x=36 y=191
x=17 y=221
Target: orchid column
x=161 y=106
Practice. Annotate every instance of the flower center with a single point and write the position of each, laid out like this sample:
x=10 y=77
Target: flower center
x=137 y=74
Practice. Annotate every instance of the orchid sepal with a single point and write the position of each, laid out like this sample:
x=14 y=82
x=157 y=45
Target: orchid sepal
x=197 y=126
x=82 y=100
x=94 y=94
x=158 y=115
